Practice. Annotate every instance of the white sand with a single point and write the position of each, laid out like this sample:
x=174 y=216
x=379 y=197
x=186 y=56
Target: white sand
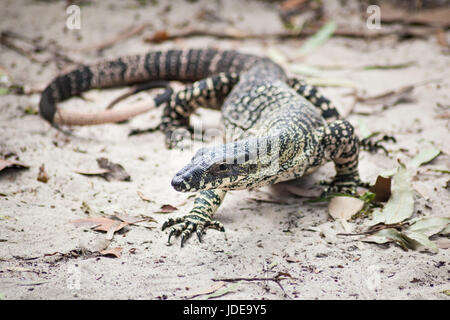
x=261 y=239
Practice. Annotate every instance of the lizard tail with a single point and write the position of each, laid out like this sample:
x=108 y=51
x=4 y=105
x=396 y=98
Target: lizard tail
x=182 y=65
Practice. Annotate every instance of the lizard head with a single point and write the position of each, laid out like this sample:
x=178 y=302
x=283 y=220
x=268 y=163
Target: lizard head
x=237 y=165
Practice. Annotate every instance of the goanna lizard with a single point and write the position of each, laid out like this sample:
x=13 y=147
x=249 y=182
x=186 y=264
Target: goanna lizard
x=278 y=128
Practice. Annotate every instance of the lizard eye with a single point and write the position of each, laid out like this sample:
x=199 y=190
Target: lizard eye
x=219 y=168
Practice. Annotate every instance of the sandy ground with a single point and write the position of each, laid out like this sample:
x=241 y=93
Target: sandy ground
x=262 y=238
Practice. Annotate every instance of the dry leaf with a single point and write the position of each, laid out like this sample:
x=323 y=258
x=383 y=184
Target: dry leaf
x=143 y=197
x=159 y=36
x=100 y=223
x=42 y=176
x=95 y=172
x=116 y=171
x=167 y=208
x=390 y=97
x=382 y=189
x=130 y=219
x=116 y=252
x=344 y=207
x=12 y=164
x=292 y=4
x=400 y=205
x=442 y=243
x=425 y=156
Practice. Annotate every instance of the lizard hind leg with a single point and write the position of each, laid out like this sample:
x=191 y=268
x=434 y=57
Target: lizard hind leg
x=341 y=145
x=327 y=109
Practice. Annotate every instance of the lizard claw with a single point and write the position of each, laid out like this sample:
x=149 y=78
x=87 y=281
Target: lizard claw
x=371 y=145
x=342 y=187
x=188 y=224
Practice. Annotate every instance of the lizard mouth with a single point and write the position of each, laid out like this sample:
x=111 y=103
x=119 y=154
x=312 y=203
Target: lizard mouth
x=179 y=184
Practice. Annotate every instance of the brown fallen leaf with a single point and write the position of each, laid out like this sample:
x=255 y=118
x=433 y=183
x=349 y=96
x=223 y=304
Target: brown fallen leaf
x=130 y=219
x=100 y=223
x=125 y=34
x=167 y=208
x=292 y=260
x=12 y=164
x=445 y=115
x=115 y=252
x=94 y=172
x=390 y=97
x=344 y=208
x=116 y=171
x=143 y=197
x=292 y=4
x=382 y=189
x=443 y=243
x=42 y=175
x=394 y=96
x=159 y=36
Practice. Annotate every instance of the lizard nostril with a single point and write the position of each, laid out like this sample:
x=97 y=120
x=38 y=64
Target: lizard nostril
x=177 y=183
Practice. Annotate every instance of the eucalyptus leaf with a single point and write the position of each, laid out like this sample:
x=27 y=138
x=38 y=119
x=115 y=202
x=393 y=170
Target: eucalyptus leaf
x=304 y=69
x=318 y=38
x=390 y=234
x=330 y=82
x=344 y=207
x=363 y=129
x=424 y=156
x=277 y=56
x=429 y=226
x=400 y=205
x=446 y=231
x=422 y=240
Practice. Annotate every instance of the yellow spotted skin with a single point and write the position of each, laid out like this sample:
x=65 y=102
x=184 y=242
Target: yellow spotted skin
x=297 y=127
x=276 y=128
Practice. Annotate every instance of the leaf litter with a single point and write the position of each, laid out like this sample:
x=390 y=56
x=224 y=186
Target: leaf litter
x=12 y=164
x=110 y=226
x=408 y=234
x=42 y=175
x=107 y=170
x=393 y=222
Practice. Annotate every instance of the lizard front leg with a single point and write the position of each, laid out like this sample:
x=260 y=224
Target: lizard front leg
x=209 y=92
x=199 y=218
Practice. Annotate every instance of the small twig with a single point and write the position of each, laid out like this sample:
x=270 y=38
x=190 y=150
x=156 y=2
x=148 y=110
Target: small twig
x=396 y=93
x=7 y=36
x=247 y=279
x=375 y=229
x=32 y=284
x=11 y=45
x=125 y=34
x=275 y=279
x=163 y=35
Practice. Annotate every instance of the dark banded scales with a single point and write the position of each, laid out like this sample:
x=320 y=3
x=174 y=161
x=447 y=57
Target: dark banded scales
x=276 y=128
